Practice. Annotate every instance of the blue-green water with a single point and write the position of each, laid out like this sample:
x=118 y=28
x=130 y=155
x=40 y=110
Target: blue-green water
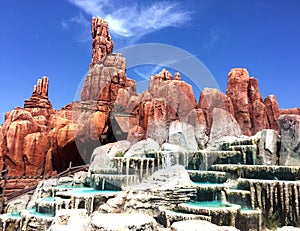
x=33 y=211
x=49 y=199
x=91 y=191
x=12 y=215
x=71 y=187
x=209 y=184
x=210 y=204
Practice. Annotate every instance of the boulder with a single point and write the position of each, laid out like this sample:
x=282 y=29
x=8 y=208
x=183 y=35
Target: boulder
x=142 y=147
x=268 y=147
x=182 y=134
x=223 y=125
x=111 y=149
x=289 y=126
x=197 y=119
x=173 y=148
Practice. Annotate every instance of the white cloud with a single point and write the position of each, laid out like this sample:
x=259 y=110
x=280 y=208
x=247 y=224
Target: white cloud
x=134 y=20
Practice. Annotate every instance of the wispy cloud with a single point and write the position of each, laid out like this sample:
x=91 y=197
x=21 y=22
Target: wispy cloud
x=214 y=35
x=133 y=20
x=82 y=22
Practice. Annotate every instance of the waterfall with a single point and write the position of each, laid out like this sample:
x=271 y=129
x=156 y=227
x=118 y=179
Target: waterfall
x=141 y=168
x=147 y=167
x=166 y=165
x=103 y=184
x=223 y=197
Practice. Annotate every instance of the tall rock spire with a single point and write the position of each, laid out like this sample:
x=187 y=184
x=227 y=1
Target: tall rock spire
x=102 y=43
x=39 y=98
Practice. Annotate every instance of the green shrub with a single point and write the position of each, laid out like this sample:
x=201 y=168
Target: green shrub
x=119 y=154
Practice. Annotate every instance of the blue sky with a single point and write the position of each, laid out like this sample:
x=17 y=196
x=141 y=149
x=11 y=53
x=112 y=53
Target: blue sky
x=52 y=37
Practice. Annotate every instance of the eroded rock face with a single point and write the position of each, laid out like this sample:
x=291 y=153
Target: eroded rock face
x=179 y=96
x=249 y=109
x=289 y=126
x=223 y=124
x=21 y=133
x=237 y=90
x=142 y=147
x=101 y=41
x=39 y=98
x=295 y=111
x=268 y=147
x=272 y=111
x=212 y=98
x=182 y=134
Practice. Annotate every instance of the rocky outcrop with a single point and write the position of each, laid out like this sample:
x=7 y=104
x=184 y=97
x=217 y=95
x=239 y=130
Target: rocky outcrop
x=179 y=96
x=223 y=124
x=102 y=43
x=289 y=126
x=25 y=143
x=212 y=98
x=182 y=134
x=249 y=109
x=268 y=147
x=142 y=147
x=39 y=98
x=105 y=79
x=272 y=111
x=237 y=90
x=294 y=111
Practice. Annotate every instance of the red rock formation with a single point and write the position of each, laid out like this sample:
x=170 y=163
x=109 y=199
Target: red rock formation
x=257 y=111
x=212 y=98
x=249 y=109
x=180 y=99
x=157 y=120
x=136 y=134
x=102 y=43
x=294 y=111
x=237 y=90
x=272 y=111
x=38 y=140
x=39 y=98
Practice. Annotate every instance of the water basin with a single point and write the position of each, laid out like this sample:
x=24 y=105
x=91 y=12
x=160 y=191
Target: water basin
x=211 y=204
x=209 y=184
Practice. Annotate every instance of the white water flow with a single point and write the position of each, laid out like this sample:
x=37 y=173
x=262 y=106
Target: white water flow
x=223 y=197
x=103 y=184
x=166 y=165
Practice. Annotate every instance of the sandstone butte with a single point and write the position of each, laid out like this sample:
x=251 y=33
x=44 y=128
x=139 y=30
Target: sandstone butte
x=39 y=140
